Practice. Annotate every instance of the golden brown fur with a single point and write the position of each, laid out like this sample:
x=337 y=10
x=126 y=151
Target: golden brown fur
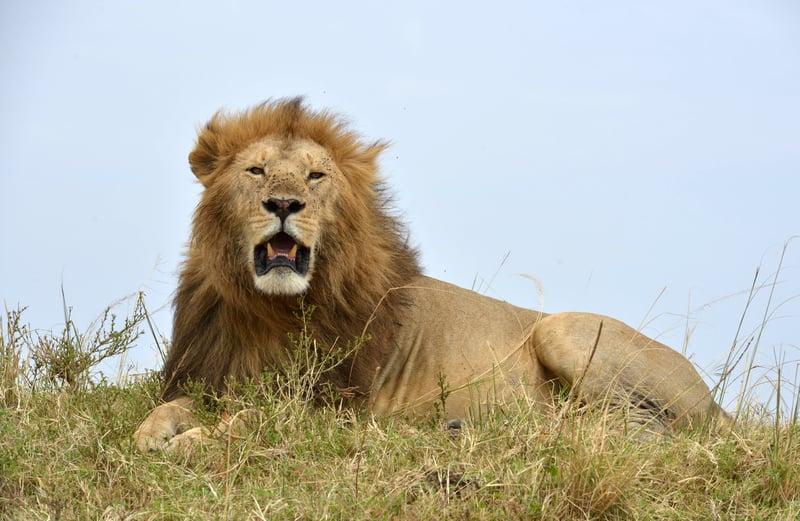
x=293 y=206
x=224 y=327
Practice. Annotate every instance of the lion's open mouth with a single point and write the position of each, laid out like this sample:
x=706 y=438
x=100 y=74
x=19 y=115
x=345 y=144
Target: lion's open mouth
x=281 y=251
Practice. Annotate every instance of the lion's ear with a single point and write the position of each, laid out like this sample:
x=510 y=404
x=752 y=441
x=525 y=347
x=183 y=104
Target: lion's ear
x=204 y=158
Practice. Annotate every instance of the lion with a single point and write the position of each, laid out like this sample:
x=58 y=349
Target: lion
x=294 y=213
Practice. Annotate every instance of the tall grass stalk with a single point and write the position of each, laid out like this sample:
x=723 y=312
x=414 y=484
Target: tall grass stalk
x=745 y=348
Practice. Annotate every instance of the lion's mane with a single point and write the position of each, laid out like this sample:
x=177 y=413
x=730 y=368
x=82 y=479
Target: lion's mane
x=223 y=327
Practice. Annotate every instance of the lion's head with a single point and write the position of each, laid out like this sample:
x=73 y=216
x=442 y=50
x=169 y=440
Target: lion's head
x=282 y=185
x=292 y=206
x=284 y=194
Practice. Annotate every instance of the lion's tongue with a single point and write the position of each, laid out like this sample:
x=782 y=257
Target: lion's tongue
x=281 y=245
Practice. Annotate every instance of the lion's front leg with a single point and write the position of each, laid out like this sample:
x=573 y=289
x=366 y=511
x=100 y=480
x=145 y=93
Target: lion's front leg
x=164 y=423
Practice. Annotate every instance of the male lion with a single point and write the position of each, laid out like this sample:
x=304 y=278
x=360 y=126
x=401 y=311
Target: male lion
x=293 y=206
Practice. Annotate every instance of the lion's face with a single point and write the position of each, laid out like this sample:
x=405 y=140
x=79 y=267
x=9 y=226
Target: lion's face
x=288 y=190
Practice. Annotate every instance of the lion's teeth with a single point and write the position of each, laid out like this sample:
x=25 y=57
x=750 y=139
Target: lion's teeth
x=270 y=251
x=293 y=252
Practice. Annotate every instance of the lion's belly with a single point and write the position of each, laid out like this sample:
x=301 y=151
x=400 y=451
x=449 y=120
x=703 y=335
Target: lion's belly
x=459 y=350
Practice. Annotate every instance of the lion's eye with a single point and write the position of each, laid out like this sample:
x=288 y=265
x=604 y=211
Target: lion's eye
x=316 y=175
x=256 y=170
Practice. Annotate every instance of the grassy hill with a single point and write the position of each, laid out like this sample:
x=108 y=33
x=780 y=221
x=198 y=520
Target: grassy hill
x=66 y=453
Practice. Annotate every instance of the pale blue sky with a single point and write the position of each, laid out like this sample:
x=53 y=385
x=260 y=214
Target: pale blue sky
x=613 y=149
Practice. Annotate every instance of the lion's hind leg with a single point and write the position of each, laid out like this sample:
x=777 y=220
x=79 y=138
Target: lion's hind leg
x=604 y=361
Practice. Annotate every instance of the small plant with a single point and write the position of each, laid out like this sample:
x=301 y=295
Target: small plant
x=304 y=373
x=37 y=360
x=441 y=405
x=12 y=338
x=69 y=359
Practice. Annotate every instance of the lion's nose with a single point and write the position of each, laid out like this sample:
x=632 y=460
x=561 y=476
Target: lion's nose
x=283 y=207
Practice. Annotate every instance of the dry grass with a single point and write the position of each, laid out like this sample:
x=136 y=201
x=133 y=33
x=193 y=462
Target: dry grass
x=66 y=453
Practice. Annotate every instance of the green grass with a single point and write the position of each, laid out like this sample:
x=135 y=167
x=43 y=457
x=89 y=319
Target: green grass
x=66 y=452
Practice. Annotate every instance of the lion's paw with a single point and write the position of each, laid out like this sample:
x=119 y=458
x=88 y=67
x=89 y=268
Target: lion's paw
x=163 y=424
x=189 y=440
x=148 y=441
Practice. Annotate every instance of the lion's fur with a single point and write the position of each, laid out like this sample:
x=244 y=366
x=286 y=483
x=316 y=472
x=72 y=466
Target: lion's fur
x=366 y=279
x=223 y=328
